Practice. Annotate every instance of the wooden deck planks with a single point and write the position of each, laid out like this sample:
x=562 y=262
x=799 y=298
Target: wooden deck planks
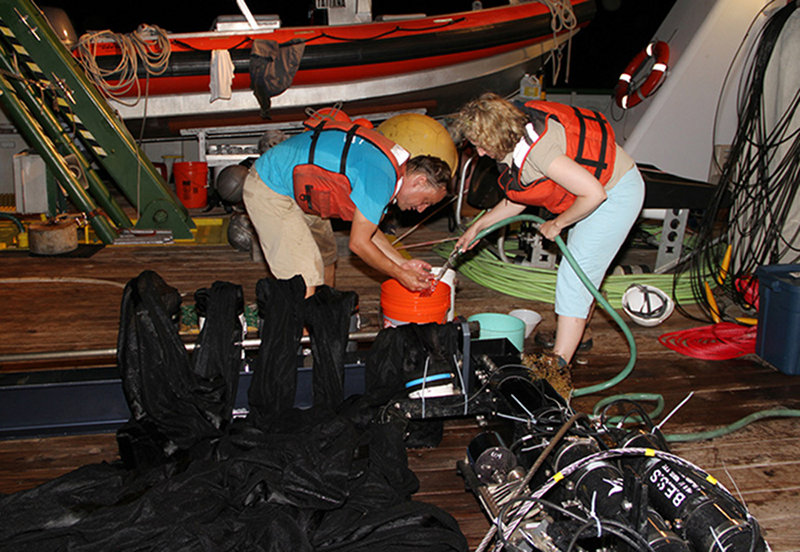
x=56 y=315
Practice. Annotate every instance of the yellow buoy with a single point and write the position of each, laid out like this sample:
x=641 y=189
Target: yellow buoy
x=421 y=135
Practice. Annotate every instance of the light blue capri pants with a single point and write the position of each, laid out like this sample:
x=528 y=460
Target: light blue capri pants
x=595 y=241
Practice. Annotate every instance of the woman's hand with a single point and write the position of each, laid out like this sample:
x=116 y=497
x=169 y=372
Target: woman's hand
x=465 y=241
x=503 y=210
x=550 y=229
x=589 y=193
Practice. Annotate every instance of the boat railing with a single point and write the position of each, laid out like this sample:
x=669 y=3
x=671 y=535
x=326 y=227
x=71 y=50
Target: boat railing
x=228 y=23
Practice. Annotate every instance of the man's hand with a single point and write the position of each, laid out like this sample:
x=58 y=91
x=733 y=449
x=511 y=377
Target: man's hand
x=415 y=274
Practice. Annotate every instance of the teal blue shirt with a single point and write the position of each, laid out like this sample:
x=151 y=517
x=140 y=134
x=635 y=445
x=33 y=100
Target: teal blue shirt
x=371 y=174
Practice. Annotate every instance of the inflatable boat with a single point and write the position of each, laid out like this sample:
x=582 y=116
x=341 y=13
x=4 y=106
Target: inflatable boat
x=387 y=58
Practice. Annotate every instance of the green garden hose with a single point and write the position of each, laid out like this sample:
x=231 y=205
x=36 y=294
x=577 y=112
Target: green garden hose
x=713 y=433
x=592 y=289
x=678 y=437
x=13 y=219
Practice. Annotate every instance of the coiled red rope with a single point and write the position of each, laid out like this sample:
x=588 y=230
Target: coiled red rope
x=721 y=341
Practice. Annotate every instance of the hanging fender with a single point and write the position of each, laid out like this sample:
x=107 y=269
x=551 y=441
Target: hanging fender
x=627 y=96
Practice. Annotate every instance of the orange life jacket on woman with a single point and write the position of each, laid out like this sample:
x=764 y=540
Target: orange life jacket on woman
x=590 y=143
x=325 y=193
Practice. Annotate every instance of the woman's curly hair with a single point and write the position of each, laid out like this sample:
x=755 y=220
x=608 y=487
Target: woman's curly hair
x=491 y=123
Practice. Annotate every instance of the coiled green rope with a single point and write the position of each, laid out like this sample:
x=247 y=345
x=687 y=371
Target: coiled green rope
x=539 y=284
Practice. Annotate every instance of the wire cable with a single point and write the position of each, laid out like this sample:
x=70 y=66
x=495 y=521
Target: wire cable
x=756 y=190
x=529 y=475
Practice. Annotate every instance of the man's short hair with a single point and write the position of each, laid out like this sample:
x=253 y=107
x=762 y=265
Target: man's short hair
x=437 y=172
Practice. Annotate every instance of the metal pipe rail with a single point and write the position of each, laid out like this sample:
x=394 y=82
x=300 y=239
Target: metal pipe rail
x=248 y=344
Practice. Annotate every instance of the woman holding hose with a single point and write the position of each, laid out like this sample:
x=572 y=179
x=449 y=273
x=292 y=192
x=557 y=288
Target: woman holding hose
x=566 y=160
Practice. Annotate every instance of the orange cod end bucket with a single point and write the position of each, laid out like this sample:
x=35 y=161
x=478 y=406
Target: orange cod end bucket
x=402 y=306
x=191 y=183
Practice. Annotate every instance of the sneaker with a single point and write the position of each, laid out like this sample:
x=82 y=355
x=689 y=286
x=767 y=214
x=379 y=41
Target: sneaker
x=546 y=339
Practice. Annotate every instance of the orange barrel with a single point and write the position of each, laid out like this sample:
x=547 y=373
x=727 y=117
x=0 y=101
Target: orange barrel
x=191 y=183
x=402 y=306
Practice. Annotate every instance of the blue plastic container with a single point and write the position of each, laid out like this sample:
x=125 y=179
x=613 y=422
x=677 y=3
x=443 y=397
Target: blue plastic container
x=495 y=325
x=778 y=335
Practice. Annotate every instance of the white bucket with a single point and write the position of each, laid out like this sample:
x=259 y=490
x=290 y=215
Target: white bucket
x=449 y=278
x=530 y=317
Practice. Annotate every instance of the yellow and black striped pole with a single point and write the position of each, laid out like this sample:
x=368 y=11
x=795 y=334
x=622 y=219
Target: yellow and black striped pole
x=81 y=106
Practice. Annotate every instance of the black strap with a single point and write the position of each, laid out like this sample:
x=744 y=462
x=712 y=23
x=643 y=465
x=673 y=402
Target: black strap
x=599 y=165
x=348 y=140
x=314 y=138
x=346 y=149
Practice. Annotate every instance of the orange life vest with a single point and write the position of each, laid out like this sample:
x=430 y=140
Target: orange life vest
x=325 y=193
x=590 y=142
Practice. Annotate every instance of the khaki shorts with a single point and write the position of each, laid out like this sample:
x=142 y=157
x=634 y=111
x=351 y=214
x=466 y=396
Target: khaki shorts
x=293 y=242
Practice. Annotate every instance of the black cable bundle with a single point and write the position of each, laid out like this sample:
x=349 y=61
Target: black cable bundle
x=756 y=187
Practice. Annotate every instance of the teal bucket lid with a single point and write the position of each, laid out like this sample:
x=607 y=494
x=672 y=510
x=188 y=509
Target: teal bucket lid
x=496 y=325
